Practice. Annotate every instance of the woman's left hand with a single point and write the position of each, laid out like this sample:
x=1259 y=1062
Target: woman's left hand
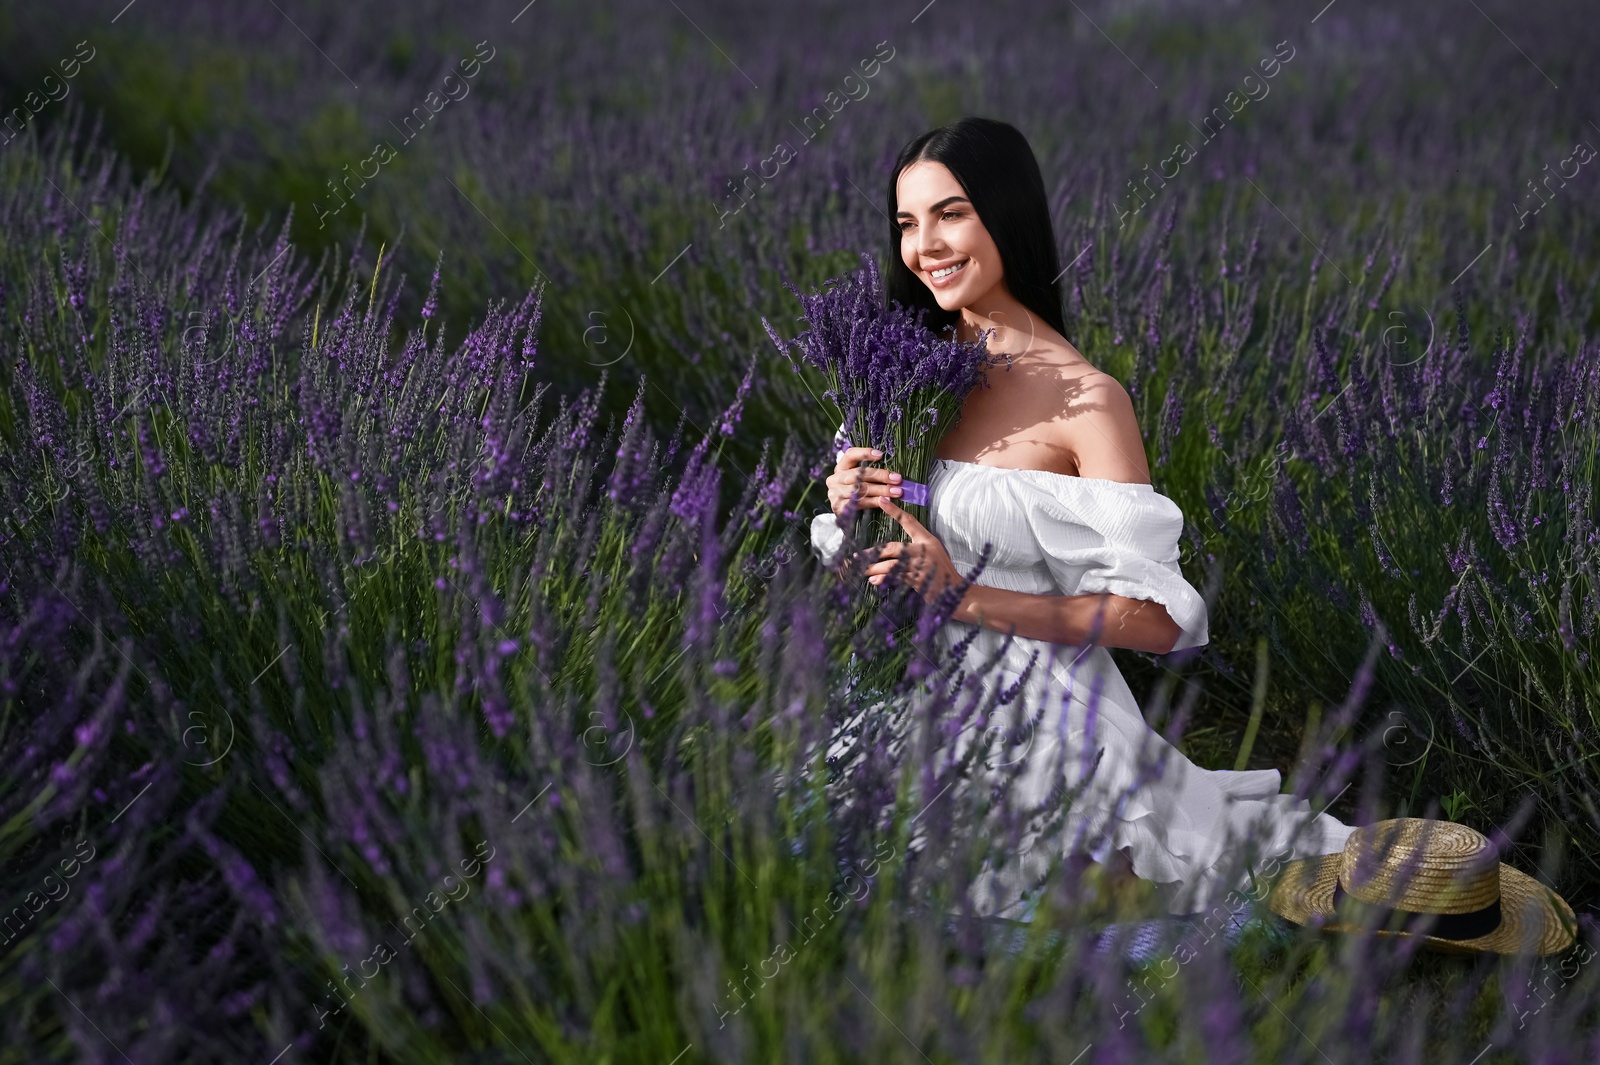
x=921 y=559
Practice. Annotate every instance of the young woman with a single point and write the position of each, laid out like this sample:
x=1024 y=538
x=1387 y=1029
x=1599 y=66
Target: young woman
x=1048 y=465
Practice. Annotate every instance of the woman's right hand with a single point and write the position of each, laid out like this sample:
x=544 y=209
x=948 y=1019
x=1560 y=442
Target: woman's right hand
x=848 y=474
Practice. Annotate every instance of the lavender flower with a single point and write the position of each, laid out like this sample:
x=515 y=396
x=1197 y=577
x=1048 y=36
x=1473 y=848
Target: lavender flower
x=893 y=384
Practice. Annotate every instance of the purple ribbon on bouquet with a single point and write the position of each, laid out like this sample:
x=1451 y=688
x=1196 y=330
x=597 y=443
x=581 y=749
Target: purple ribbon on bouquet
x=910 y=491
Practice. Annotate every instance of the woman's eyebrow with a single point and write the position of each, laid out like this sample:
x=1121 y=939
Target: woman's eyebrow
x=941 y=205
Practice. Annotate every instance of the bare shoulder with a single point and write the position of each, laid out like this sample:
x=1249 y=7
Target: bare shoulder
x=1107 y=395
x=1103 y=431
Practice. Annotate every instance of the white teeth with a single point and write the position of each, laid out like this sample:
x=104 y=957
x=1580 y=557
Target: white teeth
x=947 y=271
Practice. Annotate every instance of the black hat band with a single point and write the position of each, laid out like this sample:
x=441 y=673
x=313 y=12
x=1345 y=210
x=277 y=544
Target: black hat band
x=1468 y=925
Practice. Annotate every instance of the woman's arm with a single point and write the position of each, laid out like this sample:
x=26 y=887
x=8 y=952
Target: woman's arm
x=1137 y=624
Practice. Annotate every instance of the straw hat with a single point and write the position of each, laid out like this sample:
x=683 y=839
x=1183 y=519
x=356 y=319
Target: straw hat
x=1417 y=876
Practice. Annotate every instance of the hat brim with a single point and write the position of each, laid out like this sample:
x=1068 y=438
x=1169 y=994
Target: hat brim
x=1534 y=919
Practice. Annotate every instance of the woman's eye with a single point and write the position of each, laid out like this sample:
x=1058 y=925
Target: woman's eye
x=951 y=215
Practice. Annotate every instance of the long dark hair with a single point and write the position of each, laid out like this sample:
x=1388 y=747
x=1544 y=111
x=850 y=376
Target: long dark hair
x=996 y=168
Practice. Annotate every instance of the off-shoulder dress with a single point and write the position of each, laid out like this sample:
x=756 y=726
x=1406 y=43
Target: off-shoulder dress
x=1180 y=824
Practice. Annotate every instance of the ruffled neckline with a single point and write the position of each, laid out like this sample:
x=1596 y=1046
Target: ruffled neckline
x=1086 y=481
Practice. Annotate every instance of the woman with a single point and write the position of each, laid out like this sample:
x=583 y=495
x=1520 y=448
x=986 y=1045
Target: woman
x=1048 y=465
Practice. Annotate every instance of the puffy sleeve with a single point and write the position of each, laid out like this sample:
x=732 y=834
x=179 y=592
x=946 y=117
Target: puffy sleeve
x=1106 y=536
x=827 y=535
x=827 y=538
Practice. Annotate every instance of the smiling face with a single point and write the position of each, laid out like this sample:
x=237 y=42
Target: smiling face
x=940 y=230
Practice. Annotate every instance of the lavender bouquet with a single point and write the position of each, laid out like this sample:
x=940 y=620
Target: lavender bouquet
x=893 y=383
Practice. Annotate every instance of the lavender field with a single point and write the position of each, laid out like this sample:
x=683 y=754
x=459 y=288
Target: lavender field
x=412 y=650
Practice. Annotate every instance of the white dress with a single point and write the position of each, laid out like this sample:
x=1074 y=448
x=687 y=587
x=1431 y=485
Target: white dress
x=1183 y=825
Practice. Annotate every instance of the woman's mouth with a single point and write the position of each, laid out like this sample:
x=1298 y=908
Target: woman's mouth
x=945 y=275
